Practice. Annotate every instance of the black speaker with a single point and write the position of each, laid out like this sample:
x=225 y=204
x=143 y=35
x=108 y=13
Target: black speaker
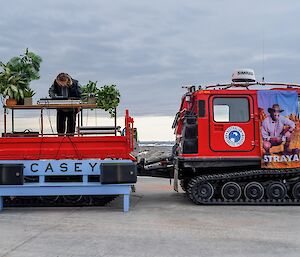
x=118 y=173
x=11 y=174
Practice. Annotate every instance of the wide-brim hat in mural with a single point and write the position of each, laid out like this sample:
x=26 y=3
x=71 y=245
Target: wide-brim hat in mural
x=275 y=108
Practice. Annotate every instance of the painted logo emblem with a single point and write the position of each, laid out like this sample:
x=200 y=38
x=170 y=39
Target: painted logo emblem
x=234 y=136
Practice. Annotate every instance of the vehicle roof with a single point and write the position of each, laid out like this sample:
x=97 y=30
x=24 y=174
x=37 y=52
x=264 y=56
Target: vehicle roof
x=249 y=88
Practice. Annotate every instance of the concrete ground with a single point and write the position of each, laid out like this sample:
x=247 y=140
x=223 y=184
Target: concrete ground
x=160 y=223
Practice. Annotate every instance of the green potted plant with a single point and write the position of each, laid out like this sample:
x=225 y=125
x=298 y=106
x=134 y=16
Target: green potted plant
x=89 y=92
x=108 y=98
x=16 y=75
x=26 y=65
x=11 y=85
x=28 y=94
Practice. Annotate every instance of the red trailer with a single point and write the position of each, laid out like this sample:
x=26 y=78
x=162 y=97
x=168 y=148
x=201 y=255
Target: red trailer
x=52 y=169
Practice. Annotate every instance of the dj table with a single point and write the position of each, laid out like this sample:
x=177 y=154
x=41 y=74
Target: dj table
x=43 y=107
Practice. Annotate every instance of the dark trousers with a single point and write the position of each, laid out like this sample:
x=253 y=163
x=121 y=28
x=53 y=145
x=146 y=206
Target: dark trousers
x=64 y=116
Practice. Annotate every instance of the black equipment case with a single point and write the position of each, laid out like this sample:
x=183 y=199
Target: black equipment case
x=11 y=174
x=118 y=173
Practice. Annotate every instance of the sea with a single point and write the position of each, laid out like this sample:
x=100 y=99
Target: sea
x=156 y=143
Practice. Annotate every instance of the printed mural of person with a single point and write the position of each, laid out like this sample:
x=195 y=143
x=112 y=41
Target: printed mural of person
x=277 y=129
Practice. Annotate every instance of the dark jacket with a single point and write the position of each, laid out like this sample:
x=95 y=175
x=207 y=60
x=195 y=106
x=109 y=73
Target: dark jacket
x=73 y=91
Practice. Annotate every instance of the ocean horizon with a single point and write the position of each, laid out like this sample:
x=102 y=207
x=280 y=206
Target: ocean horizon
x=156 y=143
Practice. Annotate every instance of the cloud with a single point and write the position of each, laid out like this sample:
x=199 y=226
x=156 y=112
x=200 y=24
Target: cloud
x=151 y=48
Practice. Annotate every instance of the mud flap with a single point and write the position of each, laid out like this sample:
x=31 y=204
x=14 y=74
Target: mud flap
x=176 y=175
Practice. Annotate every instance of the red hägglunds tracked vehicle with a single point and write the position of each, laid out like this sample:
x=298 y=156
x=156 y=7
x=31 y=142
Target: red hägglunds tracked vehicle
x=238 y=142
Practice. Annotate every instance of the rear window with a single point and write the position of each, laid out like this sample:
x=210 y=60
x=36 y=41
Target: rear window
x=235 y=109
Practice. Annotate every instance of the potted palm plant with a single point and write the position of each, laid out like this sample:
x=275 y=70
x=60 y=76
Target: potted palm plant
x=28 y=94
x=89 y=92
x=11 y=85
x=16 y=75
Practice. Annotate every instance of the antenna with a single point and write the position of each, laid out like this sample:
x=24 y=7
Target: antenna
x=263 y=57
x=263 y=44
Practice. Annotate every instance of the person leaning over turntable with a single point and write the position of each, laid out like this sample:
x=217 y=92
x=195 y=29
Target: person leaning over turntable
x=66 y=87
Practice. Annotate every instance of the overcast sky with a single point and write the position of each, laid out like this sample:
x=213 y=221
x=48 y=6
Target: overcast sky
x=151 y=48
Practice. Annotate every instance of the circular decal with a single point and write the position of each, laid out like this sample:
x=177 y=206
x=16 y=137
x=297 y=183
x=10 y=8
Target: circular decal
x=234 y=136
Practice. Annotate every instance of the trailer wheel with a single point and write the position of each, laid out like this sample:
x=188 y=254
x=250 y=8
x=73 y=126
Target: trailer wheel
x=231 y=191
x=199 y=191
x=254 y=191
x=276 y=191
x=296 y=191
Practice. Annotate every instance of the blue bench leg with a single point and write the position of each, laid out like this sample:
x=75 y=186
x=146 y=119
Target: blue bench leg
x=1 y=203
x=126 y=203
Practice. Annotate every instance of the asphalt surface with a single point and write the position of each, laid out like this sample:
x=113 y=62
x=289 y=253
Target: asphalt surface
x=161 y=222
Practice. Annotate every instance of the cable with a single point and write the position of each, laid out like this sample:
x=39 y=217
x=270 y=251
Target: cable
x=87 y=117
x=75 y=148
x=96 y=116
x=48 y=115
x=50 y=122
x=40 y=150
x=58 y=149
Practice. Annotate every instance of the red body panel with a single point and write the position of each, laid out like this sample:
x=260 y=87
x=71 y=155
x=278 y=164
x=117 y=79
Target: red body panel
x=98 y=147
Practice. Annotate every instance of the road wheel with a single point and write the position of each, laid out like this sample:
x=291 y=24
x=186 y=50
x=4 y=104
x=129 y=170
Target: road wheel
x=254 y=191
x=200 y=191
x=231 y=191
x=276 y=191
x=296 y=191
x=49 y=199
x=72 y=198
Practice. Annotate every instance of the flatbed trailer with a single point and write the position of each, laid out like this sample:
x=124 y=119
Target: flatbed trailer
x=82 y=164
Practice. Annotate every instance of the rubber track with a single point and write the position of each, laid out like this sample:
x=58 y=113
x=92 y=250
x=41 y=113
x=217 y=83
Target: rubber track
x=245 y=176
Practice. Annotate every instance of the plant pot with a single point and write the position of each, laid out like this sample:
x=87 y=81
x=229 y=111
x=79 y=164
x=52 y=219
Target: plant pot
x=11 y=102
x=28 y=101
x=91 y=100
